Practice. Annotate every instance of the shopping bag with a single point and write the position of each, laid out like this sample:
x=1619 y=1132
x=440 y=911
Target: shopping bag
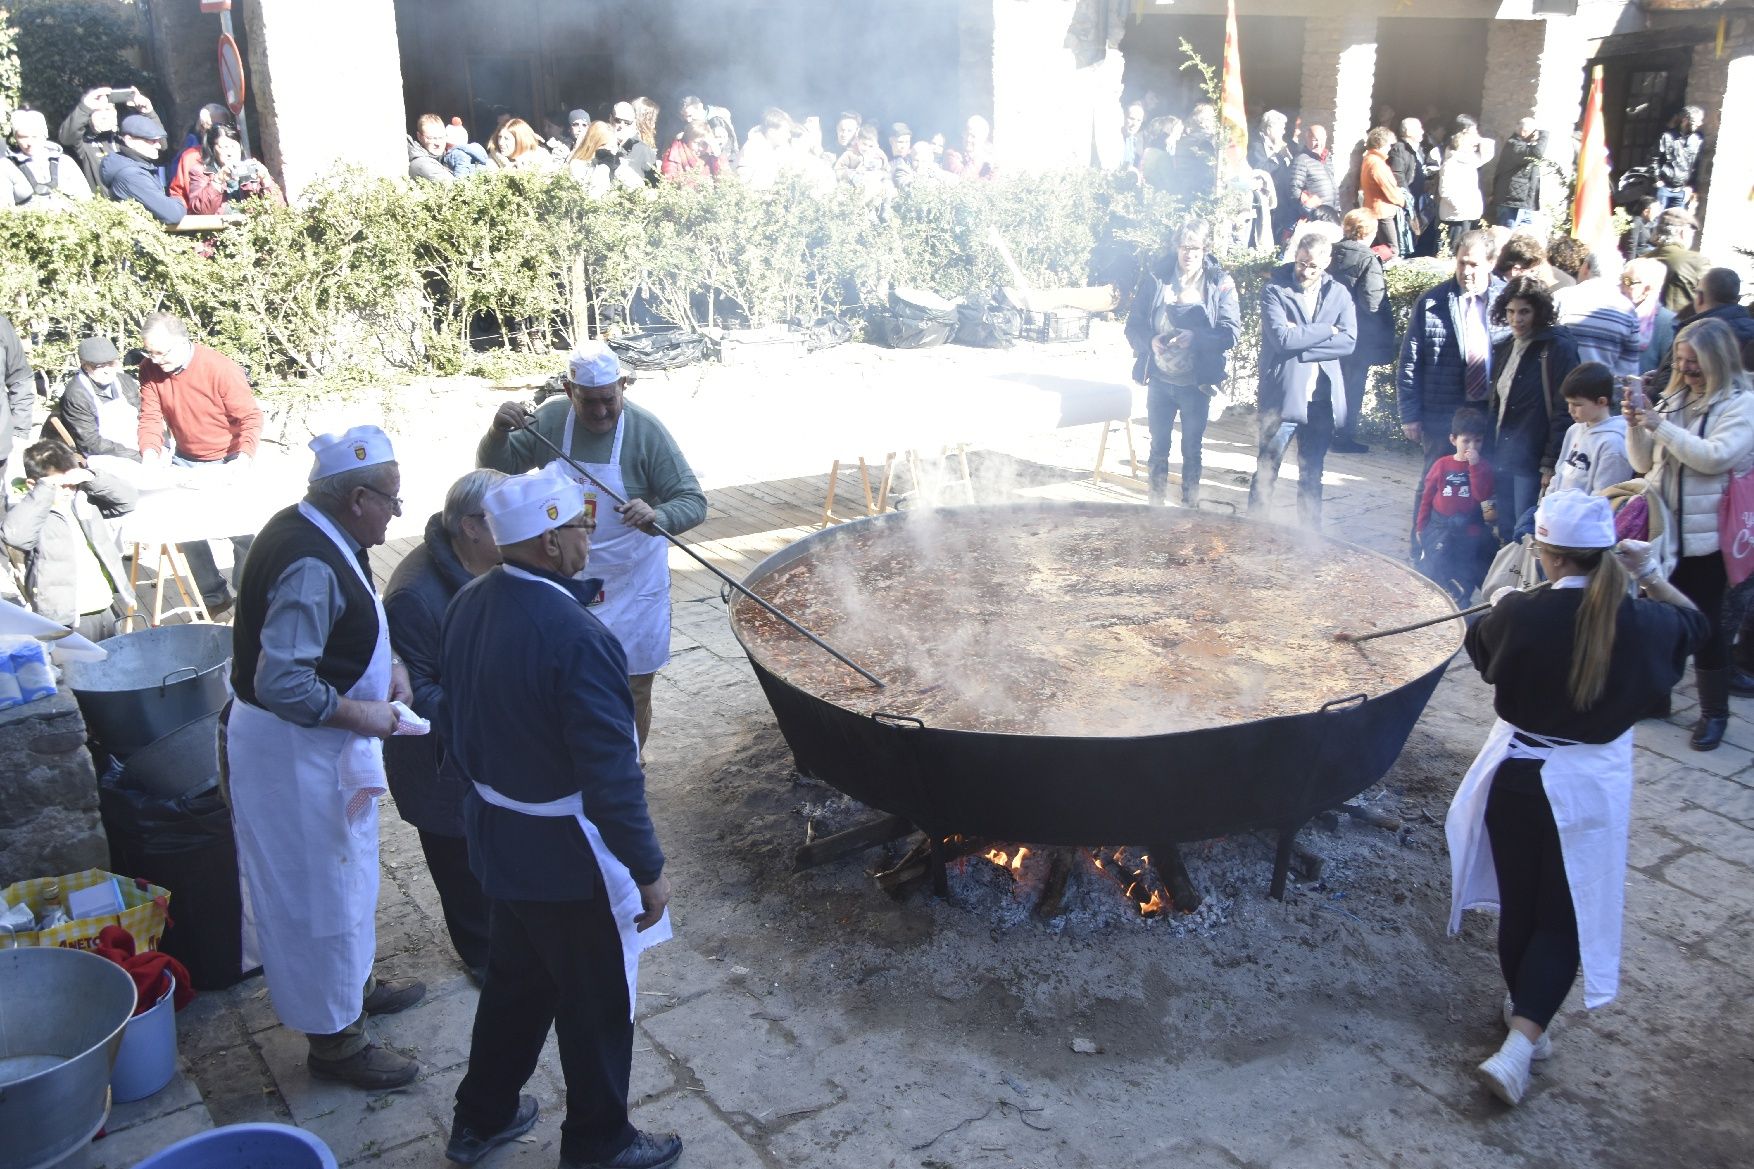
x=1735 y=526
x=1516 y=566
x=144 y=914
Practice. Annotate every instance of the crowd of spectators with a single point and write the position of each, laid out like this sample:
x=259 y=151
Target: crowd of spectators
x=113 y=145
x=624 y=150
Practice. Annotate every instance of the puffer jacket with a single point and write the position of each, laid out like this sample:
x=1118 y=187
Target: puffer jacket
x=1689 y=458
x=423 y=778
x=50 y=530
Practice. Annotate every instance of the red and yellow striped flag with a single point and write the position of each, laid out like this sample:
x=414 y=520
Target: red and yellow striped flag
x=1233 y=129
x=1592 y=211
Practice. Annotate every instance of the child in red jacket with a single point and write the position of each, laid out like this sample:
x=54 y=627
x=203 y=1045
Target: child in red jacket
x=1454 y=523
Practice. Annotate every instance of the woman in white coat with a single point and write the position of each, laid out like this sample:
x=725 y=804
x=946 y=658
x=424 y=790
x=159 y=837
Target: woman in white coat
x=1459 y=202
x=1538 y=826
x=1687 y=443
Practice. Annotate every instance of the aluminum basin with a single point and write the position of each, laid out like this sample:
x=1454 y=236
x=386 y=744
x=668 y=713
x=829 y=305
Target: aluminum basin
x=61 y=1018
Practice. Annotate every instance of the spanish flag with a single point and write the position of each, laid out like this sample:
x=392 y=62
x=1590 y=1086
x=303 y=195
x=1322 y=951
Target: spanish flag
x=1233 y=128
x=1592 y=212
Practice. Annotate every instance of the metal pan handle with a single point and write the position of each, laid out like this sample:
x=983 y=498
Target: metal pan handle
x=191 y=671
x=1354 y=700
x=1209 y=504
x=903 y=721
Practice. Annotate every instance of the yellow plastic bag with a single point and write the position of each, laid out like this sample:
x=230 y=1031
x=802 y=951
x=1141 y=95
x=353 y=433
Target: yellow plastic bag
x=144 y=916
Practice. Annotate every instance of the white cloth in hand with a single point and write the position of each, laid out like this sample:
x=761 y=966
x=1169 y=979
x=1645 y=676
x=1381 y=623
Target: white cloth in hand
x=407 y=722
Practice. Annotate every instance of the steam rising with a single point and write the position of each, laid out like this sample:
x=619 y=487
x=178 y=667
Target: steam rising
x=1090 y=620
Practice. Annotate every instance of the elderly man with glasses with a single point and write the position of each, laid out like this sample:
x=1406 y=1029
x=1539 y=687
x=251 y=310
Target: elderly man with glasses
x=202 y=398
x=626 y=449
x=540 y=719
x=316 y=687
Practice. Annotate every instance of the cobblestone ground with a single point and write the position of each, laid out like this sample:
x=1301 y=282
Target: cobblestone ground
x=810 y=1020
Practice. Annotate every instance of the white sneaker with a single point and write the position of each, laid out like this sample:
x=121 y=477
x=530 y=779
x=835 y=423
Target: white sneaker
x=1543 y=1045
x=1506 y=1074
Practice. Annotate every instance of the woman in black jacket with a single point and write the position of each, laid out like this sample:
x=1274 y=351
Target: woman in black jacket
x=1527 y=411
x=1184 y=319
x=1359 y=270
x=427 y=787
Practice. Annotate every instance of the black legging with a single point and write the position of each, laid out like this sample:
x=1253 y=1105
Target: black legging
x=1701 y=579
x=1537 y=926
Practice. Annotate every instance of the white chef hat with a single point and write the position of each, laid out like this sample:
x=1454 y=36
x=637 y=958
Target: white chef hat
x=1575 y=519
x=353 y=448
x=593 y=363
x=522 y=507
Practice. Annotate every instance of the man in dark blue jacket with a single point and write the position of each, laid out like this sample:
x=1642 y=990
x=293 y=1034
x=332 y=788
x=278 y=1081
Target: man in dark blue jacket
x=540 y=719
x=1184 y=319
x=133 y=172
x=1446 y=356
x=1308 y=324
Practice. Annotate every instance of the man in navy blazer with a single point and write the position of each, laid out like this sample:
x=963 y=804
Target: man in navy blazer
x=1446 y=356
x=1308 y=324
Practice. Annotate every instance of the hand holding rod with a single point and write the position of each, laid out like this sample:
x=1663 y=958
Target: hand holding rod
x=529 y=427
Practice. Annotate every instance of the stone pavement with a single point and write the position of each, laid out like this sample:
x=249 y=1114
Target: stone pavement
x=764 y=1051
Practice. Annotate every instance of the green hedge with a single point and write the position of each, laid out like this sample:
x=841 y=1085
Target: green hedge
x=370 y=278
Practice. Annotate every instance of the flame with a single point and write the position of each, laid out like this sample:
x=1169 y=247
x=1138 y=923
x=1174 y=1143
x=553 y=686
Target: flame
x=1006 y=860
x=1157 y=904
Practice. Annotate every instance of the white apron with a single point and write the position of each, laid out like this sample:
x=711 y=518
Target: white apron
x=618 y=883
x=305 y=814
x=1589 y=786
x=634 y=567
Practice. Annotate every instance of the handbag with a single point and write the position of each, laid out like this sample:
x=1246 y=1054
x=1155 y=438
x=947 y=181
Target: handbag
x=1735 y=526
x=1516 y=566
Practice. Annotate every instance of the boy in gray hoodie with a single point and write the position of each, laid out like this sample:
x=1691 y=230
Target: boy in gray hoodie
x=1593 y=453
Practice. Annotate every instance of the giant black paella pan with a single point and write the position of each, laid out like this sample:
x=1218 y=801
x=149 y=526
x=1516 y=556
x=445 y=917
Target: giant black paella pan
x=1083 y=673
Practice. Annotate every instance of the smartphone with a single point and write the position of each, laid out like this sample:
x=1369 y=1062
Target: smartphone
x=1632 y=391
x=124 y=97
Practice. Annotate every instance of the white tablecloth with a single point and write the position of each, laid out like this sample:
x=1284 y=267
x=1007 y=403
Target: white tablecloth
x=180 y=505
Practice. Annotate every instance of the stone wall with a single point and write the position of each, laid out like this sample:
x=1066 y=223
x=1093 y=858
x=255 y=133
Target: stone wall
x=1723 y=86
x=1339 y=78
x=49 y=821
x=184 y=42
x=327 y=78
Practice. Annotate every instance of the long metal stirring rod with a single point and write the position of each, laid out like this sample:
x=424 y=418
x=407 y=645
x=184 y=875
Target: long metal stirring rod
x=529 y=427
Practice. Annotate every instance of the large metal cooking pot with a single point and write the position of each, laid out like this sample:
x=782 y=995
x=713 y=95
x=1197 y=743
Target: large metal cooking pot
x=61 y=1018
x=1086 y=789
x=152 y=683
x=185 y=761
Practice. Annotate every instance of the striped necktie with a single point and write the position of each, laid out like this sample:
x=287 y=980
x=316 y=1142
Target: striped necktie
x=1475 y=349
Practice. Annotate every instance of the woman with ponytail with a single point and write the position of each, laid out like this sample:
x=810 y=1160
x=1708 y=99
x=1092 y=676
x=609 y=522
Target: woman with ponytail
x=1538 y=826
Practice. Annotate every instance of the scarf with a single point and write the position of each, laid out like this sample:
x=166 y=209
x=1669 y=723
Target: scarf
x=1647 y=319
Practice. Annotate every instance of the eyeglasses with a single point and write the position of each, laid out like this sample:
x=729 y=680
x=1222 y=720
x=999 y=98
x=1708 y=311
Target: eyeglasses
x=623 y=122
x=395 y=501
x=587 y=526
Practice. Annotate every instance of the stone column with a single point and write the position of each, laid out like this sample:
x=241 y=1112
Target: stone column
x=1535 y=68
x=49 y=824
x=1724 y=88
x=1339 y=75
x=1045 y=110
x=327 y=78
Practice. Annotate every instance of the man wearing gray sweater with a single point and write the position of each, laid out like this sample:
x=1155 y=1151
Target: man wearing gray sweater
x=627 y=451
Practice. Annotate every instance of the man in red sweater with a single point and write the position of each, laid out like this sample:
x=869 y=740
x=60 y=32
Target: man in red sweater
x=203 y=398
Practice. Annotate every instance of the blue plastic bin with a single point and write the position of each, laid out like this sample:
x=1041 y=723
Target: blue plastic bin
x=245 y=1146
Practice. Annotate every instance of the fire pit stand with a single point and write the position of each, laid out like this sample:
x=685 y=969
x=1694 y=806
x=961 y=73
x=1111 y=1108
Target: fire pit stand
x=931 y=856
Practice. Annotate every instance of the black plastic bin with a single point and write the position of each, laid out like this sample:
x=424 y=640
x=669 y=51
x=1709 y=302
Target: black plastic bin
x=183 y=843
